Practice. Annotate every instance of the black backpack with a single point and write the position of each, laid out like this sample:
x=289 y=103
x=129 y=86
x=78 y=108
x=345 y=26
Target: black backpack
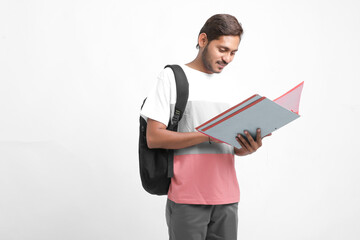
x=156 y=165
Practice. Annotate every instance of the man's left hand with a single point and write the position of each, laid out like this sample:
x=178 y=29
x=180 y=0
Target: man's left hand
x=248 y=144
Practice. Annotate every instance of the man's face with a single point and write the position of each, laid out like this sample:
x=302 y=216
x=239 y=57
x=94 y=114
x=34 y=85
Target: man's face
x=220 y=52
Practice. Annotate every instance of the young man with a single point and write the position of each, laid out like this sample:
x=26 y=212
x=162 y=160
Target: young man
x=204 y=193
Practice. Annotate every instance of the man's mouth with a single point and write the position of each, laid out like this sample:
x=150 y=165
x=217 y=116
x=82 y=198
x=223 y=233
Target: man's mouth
x=222 y=64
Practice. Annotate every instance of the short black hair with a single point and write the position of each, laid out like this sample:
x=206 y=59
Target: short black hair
x=221 y=25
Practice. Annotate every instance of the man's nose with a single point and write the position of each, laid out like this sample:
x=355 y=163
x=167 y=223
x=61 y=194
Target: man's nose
x=227 y=58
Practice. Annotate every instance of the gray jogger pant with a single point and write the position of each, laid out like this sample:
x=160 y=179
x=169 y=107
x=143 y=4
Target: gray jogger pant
x=202 y=222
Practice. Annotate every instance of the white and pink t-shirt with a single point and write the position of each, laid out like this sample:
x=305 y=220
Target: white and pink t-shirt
x=204 y=173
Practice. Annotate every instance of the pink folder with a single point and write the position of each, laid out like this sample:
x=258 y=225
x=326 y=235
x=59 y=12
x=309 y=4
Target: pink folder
x=255 y=112
x=291 y=99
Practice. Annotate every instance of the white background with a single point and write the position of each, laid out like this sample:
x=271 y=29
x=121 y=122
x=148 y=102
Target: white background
x=73 y=75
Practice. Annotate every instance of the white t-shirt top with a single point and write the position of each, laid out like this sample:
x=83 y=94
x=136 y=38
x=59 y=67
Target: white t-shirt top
x=204 y=173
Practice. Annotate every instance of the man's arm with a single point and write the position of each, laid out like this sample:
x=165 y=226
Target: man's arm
x=159 y=137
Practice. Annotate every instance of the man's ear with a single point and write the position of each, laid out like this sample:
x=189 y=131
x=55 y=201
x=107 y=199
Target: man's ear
x=202 y=40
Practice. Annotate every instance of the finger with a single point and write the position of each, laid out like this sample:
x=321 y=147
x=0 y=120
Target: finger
x=258 y=137
x=245 y=143
x=249 y=137
x=240 y=142
x=253 y=144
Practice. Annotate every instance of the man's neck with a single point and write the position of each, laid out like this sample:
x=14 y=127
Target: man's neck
x=197 y=64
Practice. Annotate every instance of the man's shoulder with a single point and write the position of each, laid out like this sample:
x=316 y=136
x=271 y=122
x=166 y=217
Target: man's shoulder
x=167 y=75
x=168 y=72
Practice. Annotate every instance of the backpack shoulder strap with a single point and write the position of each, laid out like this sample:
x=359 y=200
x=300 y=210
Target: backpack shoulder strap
x=182 y=95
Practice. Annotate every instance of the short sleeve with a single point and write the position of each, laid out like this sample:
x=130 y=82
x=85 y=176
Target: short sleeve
x=158 y=103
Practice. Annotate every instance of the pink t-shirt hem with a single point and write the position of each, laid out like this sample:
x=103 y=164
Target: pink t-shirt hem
x=205 y=202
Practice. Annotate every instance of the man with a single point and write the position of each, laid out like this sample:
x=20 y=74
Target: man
x=204 y=193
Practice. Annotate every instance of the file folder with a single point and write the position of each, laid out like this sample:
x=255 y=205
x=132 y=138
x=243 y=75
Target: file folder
x=254 y=112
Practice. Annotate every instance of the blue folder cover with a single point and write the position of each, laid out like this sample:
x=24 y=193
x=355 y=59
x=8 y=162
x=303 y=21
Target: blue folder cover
x=255 y=112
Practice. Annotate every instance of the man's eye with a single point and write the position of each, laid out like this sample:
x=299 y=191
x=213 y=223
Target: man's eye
x=221 y=50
